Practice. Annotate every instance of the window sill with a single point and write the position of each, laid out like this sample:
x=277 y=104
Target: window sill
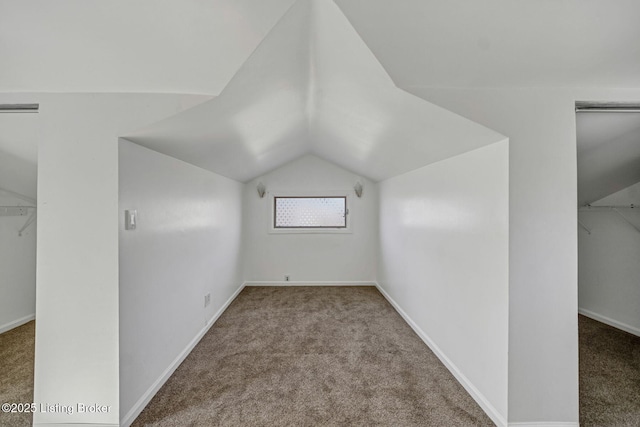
x=310 y=231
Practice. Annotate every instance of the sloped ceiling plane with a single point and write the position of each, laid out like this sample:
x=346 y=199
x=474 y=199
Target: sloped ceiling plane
x=313 y=87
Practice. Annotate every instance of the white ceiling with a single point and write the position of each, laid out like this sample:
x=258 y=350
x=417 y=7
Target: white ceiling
x=163 y=46
x=502 y=43
x=313 y=86
x=195 y=46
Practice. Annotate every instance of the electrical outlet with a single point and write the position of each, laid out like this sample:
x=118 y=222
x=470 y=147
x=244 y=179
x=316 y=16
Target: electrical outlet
x=286 y=278
x=207 y=300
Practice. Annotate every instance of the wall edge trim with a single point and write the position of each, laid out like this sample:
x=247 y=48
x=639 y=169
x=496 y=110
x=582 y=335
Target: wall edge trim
x=609 y=321
x=146 y=397
x=75 y=425
x=486 y=406
x=545 y=424
x=15 y=323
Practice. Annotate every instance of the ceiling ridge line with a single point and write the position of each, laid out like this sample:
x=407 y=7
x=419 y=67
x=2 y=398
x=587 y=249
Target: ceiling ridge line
x=311 y=93
x=314 y=86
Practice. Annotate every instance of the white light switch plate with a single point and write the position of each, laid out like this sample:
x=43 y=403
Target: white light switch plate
x=130 y=219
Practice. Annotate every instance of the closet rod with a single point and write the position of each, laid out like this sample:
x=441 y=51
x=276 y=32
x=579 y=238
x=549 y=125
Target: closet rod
x=607 y=208
x=19 y=108
x=607 y=107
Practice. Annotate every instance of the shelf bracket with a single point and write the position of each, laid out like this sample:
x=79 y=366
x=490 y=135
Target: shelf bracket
x=584 y=227
x=30 y=221
x=626 y=219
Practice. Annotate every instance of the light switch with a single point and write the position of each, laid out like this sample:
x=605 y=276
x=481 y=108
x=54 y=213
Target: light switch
x=130 y=219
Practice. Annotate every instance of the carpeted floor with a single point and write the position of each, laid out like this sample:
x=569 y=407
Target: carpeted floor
x=311 y=356
x=17 y=349
x=333 y=356
x=609 y=376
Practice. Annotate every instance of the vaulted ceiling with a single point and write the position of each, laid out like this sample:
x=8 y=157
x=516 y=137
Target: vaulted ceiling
x=196 y=46
x=313 y=86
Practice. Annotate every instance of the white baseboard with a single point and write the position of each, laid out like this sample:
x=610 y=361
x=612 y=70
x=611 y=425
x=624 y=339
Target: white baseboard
x=148 y=395
x=74 y=425
x=545 y=424
x=609 y=321
x=487 y=407
x=15 y=323
x=310 y=283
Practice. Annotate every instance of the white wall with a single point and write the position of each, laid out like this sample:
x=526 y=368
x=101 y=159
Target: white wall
x=186 y=245
x=78 y=152
x=77 y=357
x=444 y=261
x=543 y=330
x=18 y=175
x=17 y=266
x=608 y=268
x=310 y=257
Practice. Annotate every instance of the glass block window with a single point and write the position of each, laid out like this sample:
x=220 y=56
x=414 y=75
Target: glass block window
x=310 y=212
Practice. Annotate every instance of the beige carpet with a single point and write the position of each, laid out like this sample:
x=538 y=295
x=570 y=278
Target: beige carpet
x=609 y=376
x=312 y=356
x=17 y=349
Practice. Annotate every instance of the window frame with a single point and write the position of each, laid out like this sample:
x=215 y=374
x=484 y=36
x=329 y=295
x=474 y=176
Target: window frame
x=271 y=215
x=275 y=207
